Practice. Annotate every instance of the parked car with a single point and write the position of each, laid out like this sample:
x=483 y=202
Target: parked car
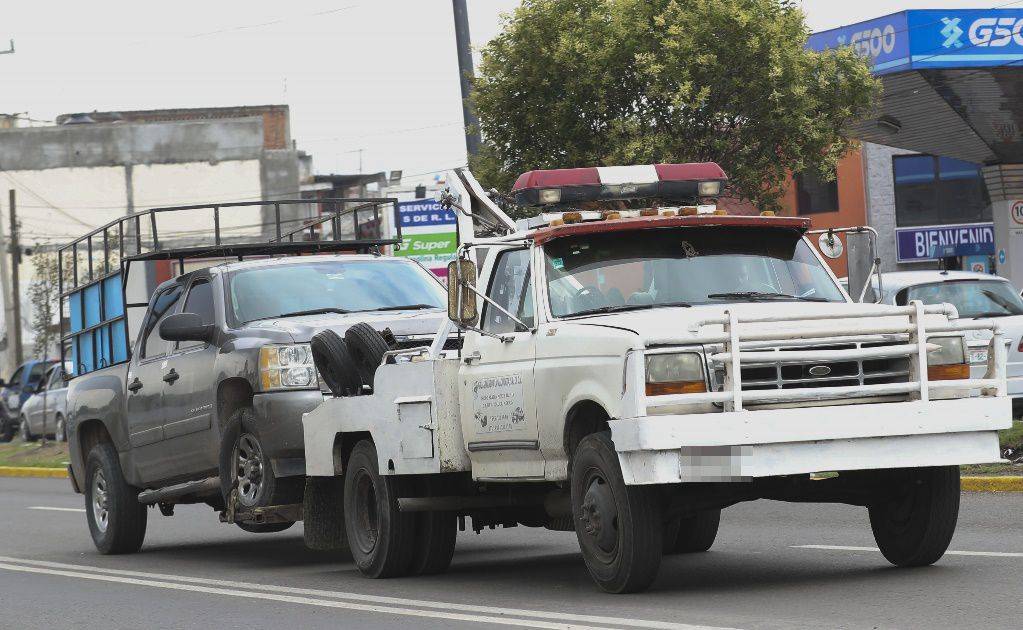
x=24 y=382
x=45 y=412
x=975 y=296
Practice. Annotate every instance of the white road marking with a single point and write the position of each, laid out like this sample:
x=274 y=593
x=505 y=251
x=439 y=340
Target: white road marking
x=395 y=605
x=995 y=554
x=55 y=509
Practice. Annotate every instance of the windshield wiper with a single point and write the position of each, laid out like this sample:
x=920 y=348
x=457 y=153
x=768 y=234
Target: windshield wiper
x=626 y=307
x=762 y=295
x=402 y=307
x=312 y=311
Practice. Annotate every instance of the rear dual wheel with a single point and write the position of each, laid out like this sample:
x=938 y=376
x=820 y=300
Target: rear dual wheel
x=384 y=541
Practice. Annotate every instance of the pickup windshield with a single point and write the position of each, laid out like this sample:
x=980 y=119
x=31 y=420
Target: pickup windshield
x=972 y=298
x=341 y=286
x=611 y=271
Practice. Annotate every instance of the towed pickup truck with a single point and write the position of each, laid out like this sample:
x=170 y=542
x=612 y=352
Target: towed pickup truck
x=634 y=371
x=201 y=400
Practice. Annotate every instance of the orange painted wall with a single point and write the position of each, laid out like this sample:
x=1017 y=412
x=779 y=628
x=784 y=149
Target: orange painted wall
x=852 y=202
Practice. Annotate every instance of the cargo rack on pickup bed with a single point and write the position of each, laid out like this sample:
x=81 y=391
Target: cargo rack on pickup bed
x=93 y=304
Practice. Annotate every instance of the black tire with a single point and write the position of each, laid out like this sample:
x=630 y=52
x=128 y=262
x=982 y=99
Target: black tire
x=26 y=432
x=117 y=521
x=367 y=348
x=245 y=464
x=914 y=521
x=7 y=430
x=435 y=536
x=264 y=528
x=620 y=528
x=692 y=534
x=323 y=514
x=335 y=364
x=380 y=537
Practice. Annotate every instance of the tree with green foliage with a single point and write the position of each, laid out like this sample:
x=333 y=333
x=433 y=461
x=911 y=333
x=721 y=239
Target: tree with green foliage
x=572 y=83
x=42 y=295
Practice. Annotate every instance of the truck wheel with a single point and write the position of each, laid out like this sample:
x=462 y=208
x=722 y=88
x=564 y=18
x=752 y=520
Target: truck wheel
x=335 y=364
x=117 y=521
x=619 y=527
x=245 y=465
x=263 y=528
x=380 y=537
x=913 y=522
x=367 y=348
x=692 y=534
x=26 y=432
x=7 y=430
x=434 y=538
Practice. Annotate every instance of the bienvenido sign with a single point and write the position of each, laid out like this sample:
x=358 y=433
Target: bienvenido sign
x=929 y=242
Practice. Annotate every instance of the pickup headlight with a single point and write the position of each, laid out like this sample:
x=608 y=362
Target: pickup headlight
x=947 y=362
x=287 y=367
x=676 y=373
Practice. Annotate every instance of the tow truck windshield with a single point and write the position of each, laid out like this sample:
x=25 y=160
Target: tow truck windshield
x=341 y=286
x=612 y=271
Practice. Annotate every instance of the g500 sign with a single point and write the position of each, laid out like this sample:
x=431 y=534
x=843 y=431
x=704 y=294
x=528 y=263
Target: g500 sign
x=872 y=42
x=996 y=32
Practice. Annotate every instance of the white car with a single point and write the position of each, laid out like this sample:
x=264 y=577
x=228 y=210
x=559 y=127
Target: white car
x=975 y=296
x=44 y=413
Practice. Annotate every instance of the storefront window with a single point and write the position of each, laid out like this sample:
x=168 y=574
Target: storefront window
x=932 y=190
x=815 y=194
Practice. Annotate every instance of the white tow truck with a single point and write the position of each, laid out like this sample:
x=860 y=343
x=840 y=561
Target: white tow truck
x=632 y=371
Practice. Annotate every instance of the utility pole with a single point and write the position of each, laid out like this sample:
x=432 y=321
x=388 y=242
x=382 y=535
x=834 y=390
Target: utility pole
x=15 y=280
x=465 y=72
x=9 y=50
x=9 y=365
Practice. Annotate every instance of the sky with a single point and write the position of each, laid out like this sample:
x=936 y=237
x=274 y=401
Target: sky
x=372 y=84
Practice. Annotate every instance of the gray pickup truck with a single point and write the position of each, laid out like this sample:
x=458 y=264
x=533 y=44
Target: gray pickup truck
x=200 y=399
x=221 y=374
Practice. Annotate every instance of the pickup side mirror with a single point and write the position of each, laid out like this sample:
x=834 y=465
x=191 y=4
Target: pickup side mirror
x=186 y=327
x=461 y=295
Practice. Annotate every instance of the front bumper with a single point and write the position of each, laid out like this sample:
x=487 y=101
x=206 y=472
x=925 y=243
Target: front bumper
x=279 y=425
x=738 y=446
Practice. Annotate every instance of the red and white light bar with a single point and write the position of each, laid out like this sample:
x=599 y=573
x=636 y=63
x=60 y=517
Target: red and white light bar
x=662 y=181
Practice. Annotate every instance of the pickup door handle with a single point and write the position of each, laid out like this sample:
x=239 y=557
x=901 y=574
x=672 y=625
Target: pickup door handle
x=171 y=376
x=135 y=386
x=470 y=358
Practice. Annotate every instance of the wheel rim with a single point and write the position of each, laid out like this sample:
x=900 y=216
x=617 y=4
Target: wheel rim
x=100 y=498
x=366 y=514
x=598 y=517
x=60 y=430
x=248 y=468
x=24 y=430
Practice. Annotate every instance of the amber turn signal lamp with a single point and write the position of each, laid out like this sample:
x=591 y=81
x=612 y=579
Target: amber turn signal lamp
x=955 y=371
x=676 y=387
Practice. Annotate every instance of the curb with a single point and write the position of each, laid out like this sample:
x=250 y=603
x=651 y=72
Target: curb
x=992 y=484
x=28 y=471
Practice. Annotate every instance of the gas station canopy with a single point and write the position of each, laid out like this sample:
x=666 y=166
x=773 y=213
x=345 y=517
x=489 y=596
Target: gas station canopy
x=953 y=81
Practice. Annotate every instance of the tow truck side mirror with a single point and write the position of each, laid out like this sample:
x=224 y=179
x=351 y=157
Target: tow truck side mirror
x=461 y=295
x=185 y=327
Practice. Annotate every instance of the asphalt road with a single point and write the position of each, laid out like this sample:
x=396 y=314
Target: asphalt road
x=195 y=572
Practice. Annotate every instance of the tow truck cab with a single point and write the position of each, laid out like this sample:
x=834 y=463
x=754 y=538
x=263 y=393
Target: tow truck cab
x=638 y=360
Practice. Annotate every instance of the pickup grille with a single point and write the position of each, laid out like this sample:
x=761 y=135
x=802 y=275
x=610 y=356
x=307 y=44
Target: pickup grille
x=784 y=374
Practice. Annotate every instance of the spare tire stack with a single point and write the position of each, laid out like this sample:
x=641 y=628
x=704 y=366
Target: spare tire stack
x=348 y=365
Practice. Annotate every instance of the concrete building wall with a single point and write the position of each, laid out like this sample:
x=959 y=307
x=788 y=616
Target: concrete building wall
x=880 y=194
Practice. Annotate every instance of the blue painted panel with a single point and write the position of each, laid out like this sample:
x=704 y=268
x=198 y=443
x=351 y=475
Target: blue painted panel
x=113 y=298
x=118 y=330
x=75 y=306
x=92 y=306
x=86 y=359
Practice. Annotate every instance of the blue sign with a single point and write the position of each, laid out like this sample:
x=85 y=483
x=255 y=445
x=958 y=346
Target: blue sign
x=917 y=244
x=932 y=39
x=424 y=213
x=1001 y=257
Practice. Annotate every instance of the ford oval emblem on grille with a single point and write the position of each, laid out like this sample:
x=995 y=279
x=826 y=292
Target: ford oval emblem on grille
x=819 y=370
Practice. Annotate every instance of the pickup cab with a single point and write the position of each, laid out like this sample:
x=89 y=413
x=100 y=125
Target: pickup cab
x=628 y=374
x=206 y=406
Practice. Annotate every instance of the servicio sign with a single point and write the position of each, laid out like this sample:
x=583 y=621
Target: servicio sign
x=429 y=234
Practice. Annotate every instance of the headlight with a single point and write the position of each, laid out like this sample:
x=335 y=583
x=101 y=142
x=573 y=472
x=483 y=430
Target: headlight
x=287 y=367
x=948 y=362
x=678 y=373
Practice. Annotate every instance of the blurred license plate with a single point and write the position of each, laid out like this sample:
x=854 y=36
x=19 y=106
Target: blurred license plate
x=978 y=356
